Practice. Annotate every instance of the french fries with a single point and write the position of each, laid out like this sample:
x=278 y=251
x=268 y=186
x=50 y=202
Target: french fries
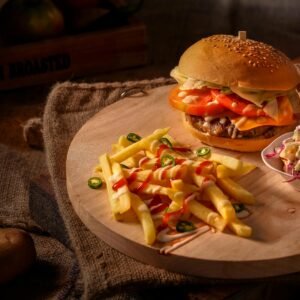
x=107 y=173
x=220 y=201
x=164 y=183
x=240 y=228
x=143 y=144
x=223 y=171
x=207 y=215
x=228 y=161
x=143 y=213
x=235 y=190
x=125 y=195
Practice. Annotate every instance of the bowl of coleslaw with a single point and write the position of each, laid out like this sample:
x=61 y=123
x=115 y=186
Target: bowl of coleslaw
x=283 y=157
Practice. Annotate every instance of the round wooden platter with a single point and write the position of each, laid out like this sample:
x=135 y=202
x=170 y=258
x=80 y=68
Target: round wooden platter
x=274 y=248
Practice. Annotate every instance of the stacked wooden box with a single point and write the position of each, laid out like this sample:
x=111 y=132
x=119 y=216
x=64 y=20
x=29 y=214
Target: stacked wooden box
x=68 y=57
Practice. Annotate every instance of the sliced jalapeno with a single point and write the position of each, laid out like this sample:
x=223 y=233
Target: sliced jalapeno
x=133 y=137
x=166 y=142
x=184 y=226
x=167 y=160
x=203 y=151
x=95 y=182
x=238 y=207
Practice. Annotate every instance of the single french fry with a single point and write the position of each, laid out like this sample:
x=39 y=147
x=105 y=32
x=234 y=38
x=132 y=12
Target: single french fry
x=153 y=146
x=177 y=203
x=107 y=173
x=207 y=215
x=170 y=172
x=149 y=154
x=174 y=206
x=179 y=185
x=98 y=168
x=147 y=163
x=130 y=162
x=124 y=196
x=123 y=141
x=177 y=198
x=198 y=179
x=223 y=172
x=99 y=174
x=142 y=144
x=220 y=201
x=240 y=228
x=236 y=191
x=144 y=216
x=116 y=148
x=228 y=161
x=138 y=176
x=151 y=189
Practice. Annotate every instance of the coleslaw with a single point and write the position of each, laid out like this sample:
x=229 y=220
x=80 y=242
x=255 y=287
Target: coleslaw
x=289 y=153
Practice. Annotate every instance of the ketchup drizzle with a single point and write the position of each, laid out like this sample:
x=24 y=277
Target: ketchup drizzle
x=119 y=184
x=143 y=184
x=202 y=165
x=161 y=149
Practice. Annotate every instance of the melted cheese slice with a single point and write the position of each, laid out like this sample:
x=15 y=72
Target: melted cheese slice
x=284 y=117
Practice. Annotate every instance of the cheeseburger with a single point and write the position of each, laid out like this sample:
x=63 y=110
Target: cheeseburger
x=235 y=93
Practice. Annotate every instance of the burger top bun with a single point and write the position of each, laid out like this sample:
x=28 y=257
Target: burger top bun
x=233 y=62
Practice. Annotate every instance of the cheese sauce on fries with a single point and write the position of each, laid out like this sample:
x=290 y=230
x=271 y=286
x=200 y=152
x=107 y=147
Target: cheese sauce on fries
x=177 y=193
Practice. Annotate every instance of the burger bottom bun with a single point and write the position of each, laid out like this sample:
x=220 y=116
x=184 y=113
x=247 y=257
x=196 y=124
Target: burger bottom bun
x=242 y=145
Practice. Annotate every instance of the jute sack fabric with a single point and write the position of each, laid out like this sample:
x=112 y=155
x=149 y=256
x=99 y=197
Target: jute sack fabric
x=105 y=272
x=55 y=272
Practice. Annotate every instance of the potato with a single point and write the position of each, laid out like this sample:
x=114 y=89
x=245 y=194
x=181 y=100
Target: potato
x=17 y=253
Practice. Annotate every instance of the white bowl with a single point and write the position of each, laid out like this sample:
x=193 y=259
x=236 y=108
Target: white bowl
x=275 y=163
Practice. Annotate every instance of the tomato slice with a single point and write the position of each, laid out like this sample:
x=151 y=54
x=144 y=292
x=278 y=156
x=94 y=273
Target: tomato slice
x=202 y=102
x=237 y=105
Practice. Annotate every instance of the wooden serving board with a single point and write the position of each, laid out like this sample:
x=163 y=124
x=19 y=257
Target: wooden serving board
x=274 y=248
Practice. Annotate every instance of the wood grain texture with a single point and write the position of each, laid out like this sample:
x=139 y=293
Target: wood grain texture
x=274 y=248
x=72 y=56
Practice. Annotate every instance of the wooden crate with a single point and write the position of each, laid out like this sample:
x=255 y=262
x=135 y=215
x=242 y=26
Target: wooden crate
x=68 y=57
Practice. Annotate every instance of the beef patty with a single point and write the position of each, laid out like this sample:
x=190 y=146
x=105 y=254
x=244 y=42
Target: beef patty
x=223 y=127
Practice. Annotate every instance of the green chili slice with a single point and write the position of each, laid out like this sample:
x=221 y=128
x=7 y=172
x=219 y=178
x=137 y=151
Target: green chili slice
x=133 y=137
x=184 y=226
x=238 y=207
x=166 y=142
x=167 y=160
x=95 y=182
x=203 y=151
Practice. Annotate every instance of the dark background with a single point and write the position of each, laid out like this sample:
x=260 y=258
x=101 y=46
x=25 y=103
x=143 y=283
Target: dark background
x=172 y=26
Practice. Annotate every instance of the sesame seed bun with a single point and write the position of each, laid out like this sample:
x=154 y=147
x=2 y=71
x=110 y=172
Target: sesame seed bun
x=229 y=61
x=241 y=144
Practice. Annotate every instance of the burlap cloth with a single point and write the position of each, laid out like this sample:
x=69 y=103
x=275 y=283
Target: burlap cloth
x=72 y=262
